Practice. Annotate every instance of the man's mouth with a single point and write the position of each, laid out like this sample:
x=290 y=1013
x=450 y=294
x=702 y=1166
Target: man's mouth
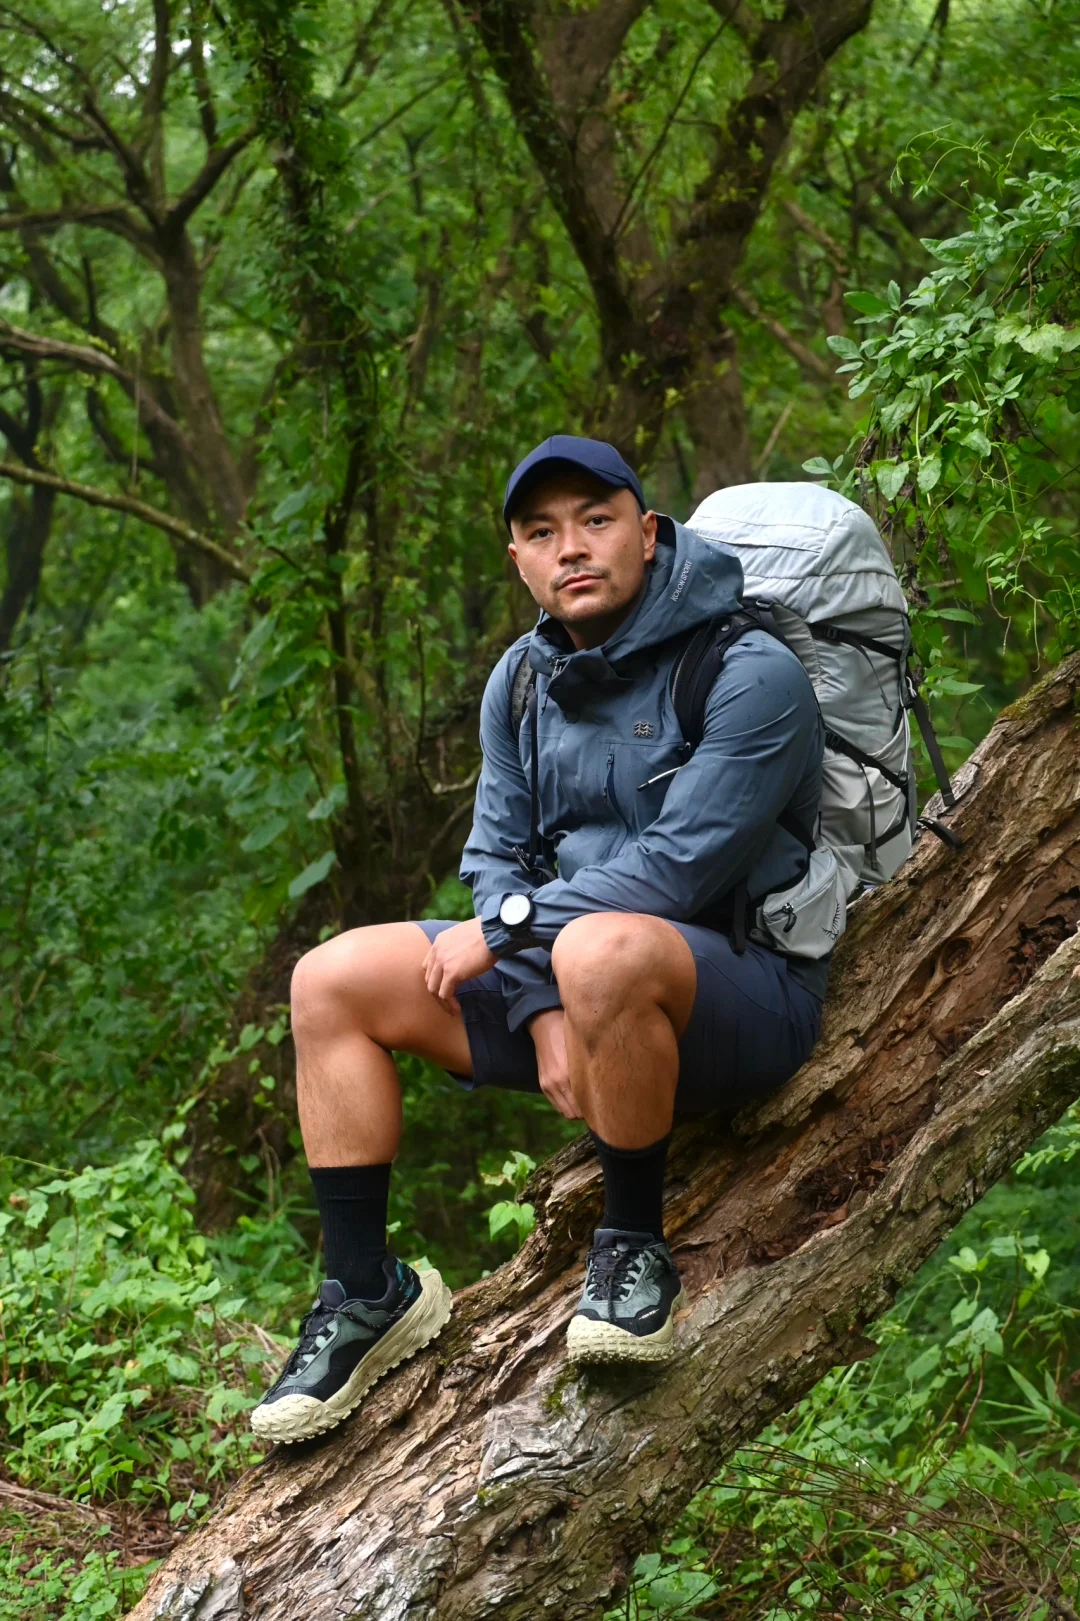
x=577 y=580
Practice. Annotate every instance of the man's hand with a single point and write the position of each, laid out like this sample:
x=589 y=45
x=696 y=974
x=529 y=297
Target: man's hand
x=549 y=1040
x=455 y=955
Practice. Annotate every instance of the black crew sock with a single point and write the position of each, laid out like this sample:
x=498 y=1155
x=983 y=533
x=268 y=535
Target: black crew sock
x=634 y=1185
x=352 y=1202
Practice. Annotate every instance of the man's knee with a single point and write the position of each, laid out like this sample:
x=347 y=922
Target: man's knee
x=600 y=959
x=334 y=983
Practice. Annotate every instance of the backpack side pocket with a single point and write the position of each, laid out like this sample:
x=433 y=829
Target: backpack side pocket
x=808 y=918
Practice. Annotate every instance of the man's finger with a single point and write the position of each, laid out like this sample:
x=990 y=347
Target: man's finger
x=564 y=1101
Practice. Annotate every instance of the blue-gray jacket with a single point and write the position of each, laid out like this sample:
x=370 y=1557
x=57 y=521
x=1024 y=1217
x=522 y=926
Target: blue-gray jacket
x=606 y=726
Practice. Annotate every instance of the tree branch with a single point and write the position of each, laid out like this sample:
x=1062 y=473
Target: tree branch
x=745 y=21
x=53 y=218
x=810 y=227
x=807 y=359
x=217 y=162
x=96 y=361
x=179 y=533
x=501 y=26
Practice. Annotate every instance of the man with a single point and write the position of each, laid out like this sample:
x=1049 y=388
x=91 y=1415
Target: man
x=621 y=987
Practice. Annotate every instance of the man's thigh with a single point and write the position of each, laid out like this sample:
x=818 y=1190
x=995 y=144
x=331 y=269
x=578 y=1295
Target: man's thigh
x=373 y=977
x=750 y=1029
x=498 y=1056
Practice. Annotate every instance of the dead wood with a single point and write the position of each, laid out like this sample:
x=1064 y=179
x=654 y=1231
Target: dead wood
x=487 y=1479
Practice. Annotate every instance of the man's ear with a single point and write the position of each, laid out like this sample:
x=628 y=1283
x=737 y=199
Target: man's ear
x=512 y=549
x=648 y=532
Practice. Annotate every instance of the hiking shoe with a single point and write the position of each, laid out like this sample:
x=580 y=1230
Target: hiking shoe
x=631 y=1294
x=344 y=1346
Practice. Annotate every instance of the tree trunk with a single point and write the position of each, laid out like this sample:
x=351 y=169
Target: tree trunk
x=24 y=544
x=487 y=1478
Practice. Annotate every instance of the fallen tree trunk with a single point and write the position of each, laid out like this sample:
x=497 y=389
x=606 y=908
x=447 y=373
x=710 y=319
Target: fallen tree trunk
x=486 y=1478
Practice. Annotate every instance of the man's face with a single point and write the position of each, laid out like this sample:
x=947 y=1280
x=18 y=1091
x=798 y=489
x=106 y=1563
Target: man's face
x=582 y=549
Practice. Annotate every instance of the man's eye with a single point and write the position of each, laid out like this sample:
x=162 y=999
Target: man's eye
x=598 y=518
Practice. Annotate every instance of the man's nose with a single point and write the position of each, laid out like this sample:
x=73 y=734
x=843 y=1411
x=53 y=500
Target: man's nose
x=573 y=543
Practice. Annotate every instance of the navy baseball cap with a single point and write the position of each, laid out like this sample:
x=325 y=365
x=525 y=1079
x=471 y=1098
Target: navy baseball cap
x=563 y=449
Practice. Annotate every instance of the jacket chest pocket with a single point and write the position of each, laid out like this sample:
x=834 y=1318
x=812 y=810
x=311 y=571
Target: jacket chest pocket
x=637 y=777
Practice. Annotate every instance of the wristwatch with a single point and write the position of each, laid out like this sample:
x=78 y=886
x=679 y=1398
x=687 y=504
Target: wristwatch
x=516 y=911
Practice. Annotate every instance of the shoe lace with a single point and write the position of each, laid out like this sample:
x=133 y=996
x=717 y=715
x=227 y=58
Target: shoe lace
x=613 y=1272
x=314 y=1333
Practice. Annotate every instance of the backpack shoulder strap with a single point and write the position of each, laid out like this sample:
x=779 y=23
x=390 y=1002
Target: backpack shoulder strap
x=698 y=665
x=696 y=670
x=523 y=683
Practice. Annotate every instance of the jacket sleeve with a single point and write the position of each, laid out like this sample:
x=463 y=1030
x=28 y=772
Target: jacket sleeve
x=762 y=733
x=501 y=821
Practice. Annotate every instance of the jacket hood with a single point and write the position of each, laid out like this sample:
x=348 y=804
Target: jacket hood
x=689 y=581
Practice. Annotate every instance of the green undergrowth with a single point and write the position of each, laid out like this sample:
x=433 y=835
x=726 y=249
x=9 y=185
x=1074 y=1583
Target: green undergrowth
x=937 y=1481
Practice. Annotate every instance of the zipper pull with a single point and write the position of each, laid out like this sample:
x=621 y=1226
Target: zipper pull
x=659 y=778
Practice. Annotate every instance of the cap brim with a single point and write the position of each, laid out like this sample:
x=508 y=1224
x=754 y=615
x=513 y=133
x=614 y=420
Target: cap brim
x=534 y=475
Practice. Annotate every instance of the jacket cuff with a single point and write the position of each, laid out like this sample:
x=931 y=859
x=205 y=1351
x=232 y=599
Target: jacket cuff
x=537 y=999
x=501 y=941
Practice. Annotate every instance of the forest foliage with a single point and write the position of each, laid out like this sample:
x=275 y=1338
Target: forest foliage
x=284 y=293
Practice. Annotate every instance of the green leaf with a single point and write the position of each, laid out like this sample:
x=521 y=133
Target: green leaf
x=962 y=616
x=924 y=1364
x=890 y=478
x=929 y=472
x=1030 y=1392
x=844 y=347
x=1044 y=342
x=264 y=834
x=818 y=467
x=868 y=304
x=292 y=504
x=977 y=441
x=957 y=689
x=325 y=807
x=501 y=1216
x=58 y=1432
x=313 y=874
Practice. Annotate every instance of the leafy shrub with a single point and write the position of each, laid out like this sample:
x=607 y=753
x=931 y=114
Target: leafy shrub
x=126 y=1371
x=929 y=1484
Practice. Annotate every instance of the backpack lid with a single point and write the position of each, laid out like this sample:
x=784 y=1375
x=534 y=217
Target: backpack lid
x=804 y=546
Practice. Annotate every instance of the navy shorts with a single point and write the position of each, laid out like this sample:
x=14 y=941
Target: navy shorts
x=752 y=1026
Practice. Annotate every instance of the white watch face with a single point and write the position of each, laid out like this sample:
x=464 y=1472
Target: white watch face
x=515 y=910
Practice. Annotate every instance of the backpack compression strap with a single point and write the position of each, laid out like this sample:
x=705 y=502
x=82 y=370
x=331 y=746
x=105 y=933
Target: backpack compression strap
x=915 y=700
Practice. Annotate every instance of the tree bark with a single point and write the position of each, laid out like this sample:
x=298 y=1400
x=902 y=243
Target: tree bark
x=24 y=546
x=487 y=1478
x=659 y=294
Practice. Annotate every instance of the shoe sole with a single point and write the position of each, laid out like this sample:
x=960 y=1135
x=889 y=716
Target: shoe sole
x=590 y=1341
x=298 y=1418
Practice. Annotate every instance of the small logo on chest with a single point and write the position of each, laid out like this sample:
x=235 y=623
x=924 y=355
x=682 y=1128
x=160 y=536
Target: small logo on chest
x=643 y=728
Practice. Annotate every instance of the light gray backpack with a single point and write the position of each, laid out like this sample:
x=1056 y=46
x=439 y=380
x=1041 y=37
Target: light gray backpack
x=816 y=562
